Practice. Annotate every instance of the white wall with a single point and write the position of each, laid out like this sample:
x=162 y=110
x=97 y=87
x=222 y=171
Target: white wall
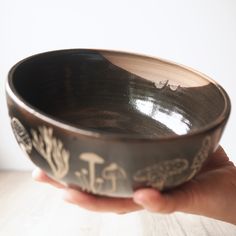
x=197 y=33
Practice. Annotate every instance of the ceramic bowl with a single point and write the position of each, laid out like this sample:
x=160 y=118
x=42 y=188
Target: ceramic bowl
x=111 y=122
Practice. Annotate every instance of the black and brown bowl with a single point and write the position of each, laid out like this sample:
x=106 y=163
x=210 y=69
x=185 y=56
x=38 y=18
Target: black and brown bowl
x=112 y=122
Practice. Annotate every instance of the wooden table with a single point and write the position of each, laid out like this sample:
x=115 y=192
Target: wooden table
x=28 y=208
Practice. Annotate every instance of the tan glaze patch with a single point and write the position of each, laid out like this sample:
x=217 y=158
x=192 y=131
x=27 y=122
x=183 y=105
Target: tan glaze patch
x=88 y=178
x=157 y=175
x=200 y=157
x=21 y=135
x=52 y=150
x=156 y=70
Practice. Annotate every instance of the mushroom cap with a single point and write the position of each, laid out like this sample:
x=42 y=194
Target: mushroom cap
x=90 y=156
x=113 y=170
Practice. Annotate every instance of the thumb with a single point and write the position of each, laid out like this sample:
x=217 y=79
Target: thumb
x=169 y=202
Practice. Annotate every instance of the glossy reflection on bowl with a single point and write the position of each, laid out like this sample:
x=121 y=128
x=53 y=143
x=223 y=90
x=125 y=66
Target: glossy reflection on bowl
x=86 y=90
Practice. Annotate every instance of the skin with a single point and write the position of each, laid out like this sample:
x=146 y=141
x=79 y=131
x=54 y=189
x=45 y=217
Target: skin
x=211 y=193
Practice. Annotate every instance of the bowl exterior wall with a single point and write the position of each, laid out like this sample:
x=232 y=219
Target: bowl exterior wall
x=109 y=166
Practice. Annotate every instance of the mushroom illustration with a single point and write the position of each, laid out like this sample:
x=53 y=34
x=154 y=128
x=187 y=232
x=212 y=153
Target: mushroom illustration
x=92 y=160
x=21 y=135
x=113 y=172
x=156 y=180
x=99 y=182
x=157 y=175
x=82 y=176
x=152 y=176
x=200 y=157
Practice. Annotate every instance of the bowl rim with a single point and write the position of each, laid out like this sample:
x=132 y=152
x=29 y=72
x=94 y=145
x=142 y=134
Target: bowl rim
x=52 y=120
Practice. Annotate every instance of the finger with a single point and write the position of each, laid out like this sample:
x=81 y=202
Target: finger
x=216 y=160
x=100 y=204
x=41 y=176
x=153 y=200
x=222 y=157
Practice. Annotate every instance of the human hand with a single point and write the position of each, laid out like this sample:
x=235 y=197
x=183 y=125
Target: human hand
x=212 y=193
x=89 y=201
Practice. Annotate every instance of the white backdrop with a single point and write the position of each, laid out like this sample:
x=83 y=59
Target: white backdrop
x=198 y=33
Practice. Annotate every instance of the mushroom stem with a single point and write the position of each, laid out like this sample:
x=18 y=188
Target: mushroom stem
x=113 y=184
x=92 y=160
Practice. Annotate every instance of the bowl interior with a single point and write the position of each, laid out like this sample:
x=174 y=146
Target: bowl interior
x=119 y=93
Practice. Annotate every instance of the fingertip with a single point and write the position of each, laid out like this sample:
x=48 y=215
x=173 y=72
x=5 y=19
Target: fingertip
x=38 y=175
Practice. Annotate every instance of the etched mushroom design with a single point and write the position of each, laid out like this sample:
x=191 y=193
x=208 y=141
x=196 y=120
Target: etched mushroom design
x=21 y=135
x=200 y=157
x=157 y=175
x=112 y=173
x=92 y=159
x=82 y=177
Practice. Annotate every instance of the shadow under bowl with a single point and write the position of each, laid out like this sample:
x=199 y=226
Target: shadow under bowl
x=112 y=122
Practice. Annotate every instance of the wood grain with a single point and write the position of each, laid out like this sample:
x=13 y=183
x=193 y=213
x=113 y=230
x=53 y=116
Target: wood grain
x=28 y=208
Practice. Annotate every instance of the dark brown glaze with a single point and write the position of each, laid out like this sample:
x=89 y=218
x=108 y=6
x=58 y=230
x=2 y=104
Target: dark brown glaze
x=95 y=124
